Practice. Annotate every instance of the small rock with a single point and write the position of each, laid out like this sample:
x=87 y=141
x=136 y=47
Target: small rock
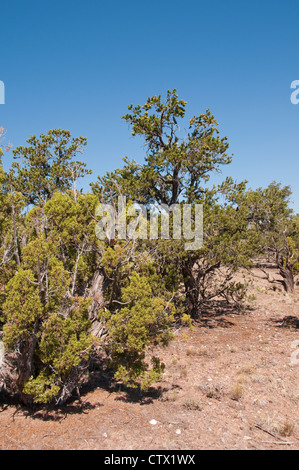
x=153 y=422
x=263 y=403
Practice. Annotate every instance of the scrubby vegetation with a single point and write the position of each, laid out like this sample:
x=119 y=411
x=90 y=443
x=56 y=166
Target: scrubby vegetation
x=68 y=297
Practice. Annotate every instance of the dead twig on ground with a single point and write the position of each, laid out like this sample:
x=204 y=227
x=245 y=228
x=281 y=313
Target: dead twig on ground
x=258 y=426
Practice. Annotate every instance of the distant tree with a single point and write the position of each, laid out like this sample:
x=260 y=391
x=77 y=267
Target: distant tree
x=271 y=218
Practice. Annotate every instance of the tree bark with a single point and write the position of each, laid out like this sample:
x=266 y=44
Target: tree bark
x=288 y=278
x=15 y=238
x=26 y=368
x=191 y=291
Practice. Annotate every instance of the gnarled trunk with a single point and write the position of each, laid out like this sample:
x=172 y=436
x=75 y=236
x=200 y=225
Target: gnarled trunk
x=191 y=291
x=288 y=281
x=26 y=367
x=97 y=294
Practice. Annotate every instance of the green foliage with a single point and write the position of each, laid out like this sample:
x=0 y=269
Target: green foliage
x=43 y=321
x=64 y=344
x=47 y=165
x=42 y=388
x=22 y=308
x=275 y=229
x=176 y=168
x=62 y=340
x=143 y=321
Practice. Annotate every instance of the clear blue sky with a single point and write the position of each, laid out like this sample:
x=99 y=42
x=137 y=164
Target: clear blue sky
x=76 y=65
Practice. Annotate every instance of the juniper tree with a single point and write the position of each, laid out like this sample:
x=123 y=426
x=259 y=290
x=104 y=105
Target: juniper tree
x=74 y=297
x=276 y=229
x=47 y=165
x=45 y=328
x=177 y=170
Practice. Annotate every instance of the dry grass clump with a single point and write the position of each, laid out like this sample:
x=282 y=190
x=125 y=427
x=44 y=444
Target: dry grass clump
x=192 y=404
x=200 y=352
x=286 y=428
x=212 y=391
x=236 y=392
x=246 y=369
x=281 y=427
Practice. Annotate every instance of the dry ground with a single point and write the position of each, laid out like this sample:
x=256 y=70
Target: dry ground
x=229 y=384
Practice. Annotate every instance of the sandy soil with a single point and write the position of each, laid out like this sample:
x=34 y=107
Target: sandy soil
x=231 y=383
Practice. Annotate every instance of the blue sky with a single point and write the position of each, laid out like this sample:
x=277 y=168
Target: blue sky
x=78 y=64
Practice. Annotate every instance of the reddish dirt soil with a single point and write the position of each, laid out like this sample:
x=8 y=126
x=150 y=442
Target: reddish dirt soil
x=231 y=383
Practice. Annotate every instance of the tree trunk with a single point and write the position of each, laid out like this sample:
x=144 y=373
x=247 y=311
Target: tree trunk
x=285 y=266
x=15 y=238
x=287 y=275
x=191 y=291
x=97 y=294
x=26 y=367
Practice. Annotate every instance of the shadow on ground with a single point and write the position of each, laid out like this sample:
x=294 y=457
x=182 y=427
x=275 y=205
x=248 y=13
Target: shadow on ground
x=289 y=321
x=214 y=314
